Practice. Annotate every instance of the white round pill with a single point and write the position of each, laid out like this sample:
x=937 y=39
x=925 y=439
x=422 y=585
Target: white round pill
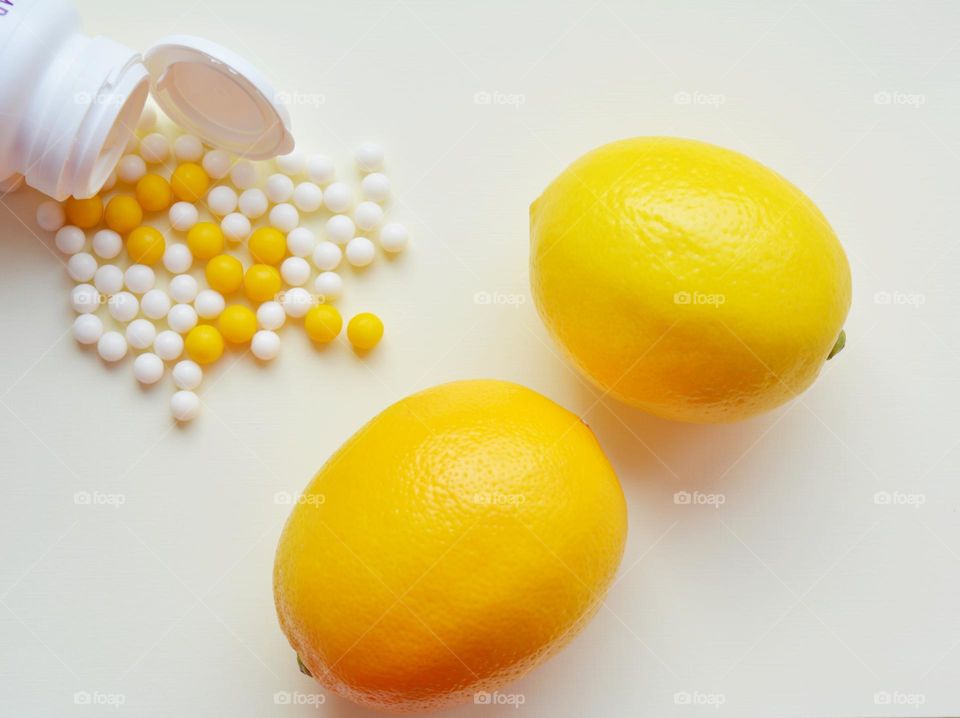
x=148 y=368
x=284 y=217
x=328 y=285
x=320 y=169
x=183 y=216
x=184 y=405
x=155 y=304
x=235 y=227
x=376 y=187
x=148 y=118
x=123 y=306
x=295 y=271
x=70 y=239
x=222 y=200
x=270 y=315
x=209 y=304
x=393 y=237
x=300 y=242
x=292 y=164
x=87 y=328
x=368 y=215
x=81 y=267
x=155 y=148
x=279 y=188
x=369 y=157
x=108 y=279
x=308 y=197
x=110 y=182
x=338 y=197
x=182 y=318
x=265 y=345
x=360 y=251
x=131 y=168
x=168 y=345
x=187 y=374
x=84 y=298
x=297 y=302
x=340 y=229
x=139 y=278
x=327 y=256
x=141 y=333
x=253 y=203
x=188 y=148
x=244 y=175
x=107 y=243
x=216 y=163
x=184 y=288
x=111 y=346
x=50 y=215
x=177 y=258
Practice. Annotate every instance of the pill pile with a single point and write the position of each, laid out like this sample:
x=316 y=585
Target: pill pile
x=235 y=263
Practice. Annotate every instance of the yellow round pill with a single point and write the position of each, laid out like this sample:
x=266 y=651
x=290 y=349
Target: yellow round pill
x=84 y=213
x=204 y=344
x=238 y=324
x=323 y=323
x=154 y=193
x=267 y=245
x=365 y=330
x=261 y=283
x=145 y=245
x=189 y=182
x=123 y=214
x=205 y=240
x=224 y=273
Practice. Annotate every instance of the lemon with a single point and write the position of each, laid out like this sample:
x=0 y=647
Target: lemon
x=687 y=279
x=457 y=540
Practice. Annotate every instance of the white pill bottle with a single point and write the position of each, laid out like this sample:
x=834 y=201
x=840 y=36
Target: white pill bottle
x=69 y=102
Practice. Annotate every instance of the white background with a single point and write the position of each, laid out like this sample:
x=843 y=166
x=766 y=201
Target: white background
x=799 y=596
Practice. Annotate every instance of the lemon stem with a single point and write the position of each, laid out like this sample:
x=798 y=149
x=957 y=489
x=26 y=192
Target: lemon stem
x=838 y=347
x=303 y=669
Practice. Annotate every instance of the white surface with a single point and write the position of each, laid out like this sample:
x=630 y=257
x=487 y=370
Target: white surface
x=799 y=596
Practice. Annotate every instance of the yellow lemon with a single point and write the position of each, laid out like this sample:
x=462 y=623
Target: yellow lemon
x=687 y=279
x=453 y=543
